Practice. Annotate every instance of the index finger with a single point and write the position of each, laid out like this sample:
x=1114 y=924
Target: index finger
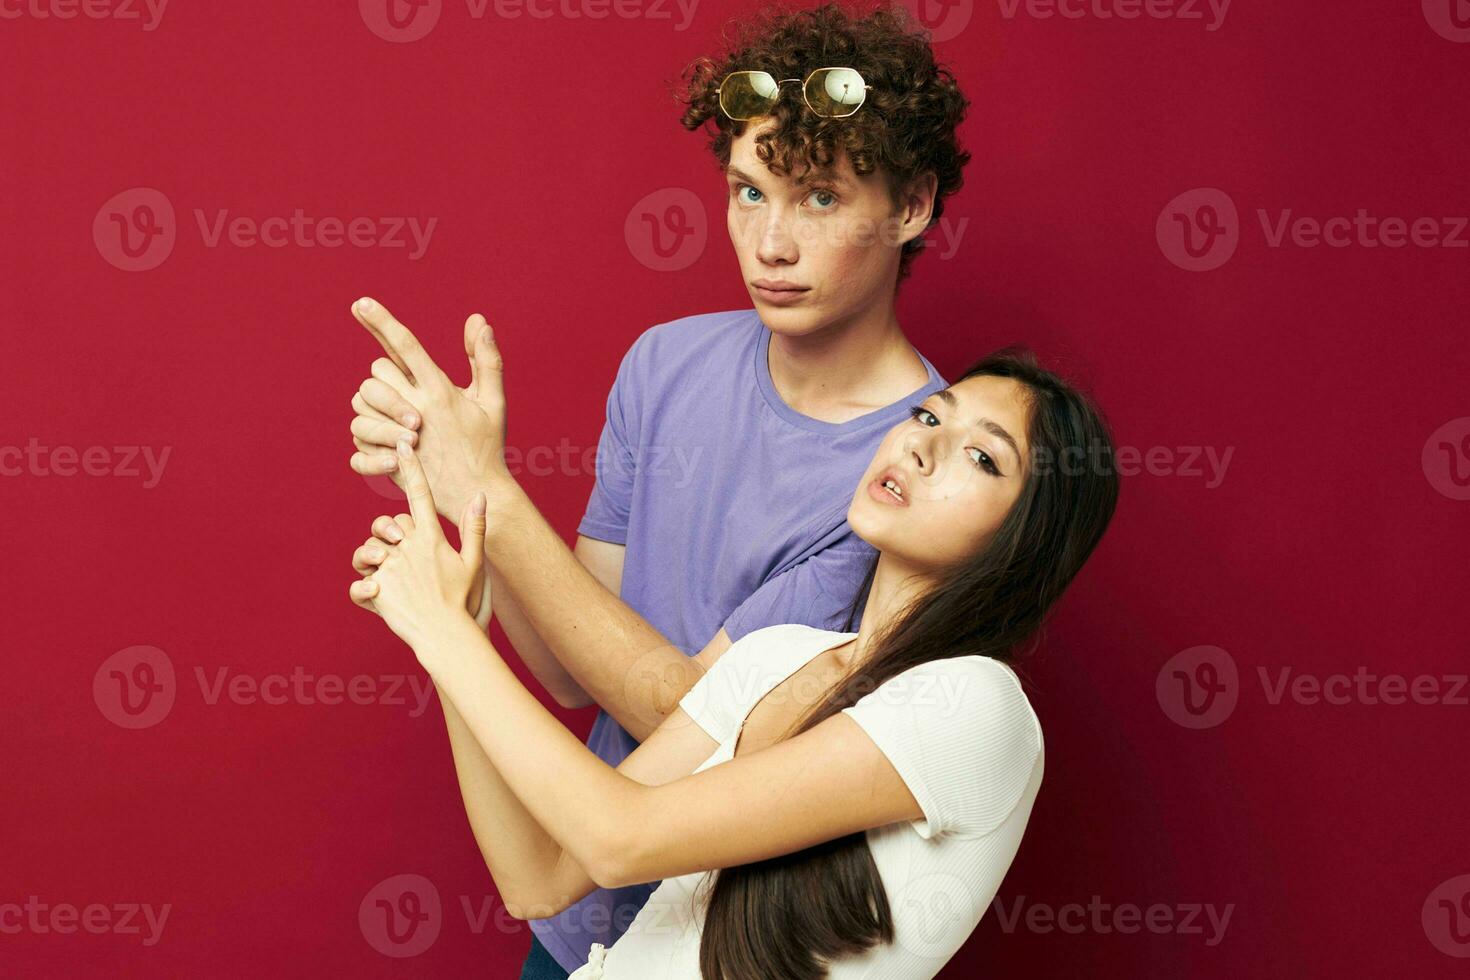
x=416 y=486
x=397 y=341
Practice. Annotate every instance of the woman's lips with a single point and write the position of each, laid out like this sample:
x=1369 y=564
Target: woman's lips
x=883 y=495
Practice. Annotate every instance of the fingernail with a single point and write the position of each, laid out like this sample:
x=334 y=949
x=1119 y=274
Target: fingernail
x=390 y=462
x=393 y=534
x=479 y=510
x=364 y=305
x=403 y=447
x=376 y=554
x=411 y=419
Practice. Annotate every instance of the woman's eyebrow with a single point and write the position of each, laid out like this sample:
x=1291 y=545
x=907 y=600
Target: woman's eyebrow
x=993 y=427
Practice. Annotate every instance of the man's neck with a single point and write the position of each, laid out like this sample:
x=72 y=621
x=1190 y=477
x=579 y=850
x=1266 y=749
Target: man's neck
x=847 y=369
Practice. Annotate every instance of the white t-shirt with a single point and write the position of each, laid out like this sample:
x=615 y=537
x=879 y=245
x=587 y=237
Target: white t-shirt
x=961 y=734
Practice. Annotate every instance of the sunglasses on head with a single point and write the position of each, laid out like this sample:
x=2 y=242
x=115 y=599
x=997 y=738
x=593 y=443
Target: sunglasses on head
x=831 y=92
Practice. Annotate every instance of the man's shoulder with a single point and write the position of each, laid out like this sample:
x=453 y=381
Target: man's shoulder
x=699 y=336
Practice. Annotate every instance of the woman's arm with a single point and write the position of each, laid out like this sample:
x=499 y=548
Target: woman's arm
x=534 y=875
x=825 y=783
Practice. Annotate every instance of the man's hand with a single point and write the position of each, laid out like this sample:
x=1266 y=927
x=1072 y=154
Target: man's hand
x=458 y=433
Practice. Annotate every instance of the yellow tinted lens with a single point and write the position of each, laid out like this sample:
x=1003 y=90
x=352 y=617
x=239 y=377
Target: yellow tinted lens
x=835 y=91
x=746 y=94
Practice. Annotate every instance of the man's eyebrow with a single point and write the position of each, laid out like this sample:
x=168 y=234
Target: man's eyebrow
x=805 y=178
x=994 y=428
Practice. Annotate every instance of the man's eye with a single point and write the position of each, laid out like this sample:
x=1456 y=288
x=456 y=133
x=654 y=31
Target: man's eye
x=741 y=189
x=828 y=195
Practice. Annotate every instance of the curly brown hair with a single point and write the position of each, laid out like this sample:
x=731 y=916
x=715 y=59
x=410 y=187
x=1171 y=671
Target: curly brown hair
x=905 y=129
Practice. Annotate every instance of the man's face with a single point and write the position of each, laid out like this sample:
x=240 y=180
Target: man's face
x=832 y=240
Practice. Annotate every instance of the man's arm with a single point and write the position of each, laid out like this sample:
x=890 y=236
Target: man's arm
x=607 y=650
x=612 y=654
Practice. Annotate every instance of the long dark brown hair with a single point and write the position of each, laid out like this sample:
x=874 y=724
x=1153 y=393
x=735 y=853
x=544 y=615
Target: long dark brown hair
x=790 y=916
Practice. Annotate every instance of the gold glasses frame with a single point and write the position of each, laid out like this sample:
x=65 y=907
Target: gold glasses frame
x=768 y=102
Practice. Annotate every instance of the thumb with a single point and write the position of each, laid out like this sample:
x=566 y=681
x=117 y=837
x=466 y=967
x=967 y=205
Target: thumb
x=486 y=366
x=472 y=532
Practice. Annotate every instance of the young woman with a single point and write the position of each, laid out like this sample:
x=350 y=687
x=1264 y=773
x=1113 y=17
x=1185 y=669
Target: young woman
x=822 y=803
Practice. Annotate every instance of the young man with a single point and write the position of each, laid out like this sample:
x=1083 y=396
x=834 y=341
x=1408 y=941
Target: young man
x=733 y=440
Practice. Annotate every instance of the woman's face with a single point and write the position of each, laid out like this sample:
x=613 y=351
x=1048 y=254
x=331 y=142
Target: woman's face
x=954 y=468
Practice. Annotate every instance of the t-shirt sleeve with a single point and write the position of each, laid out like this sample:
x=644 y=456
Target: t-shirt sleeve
x=961 y=734
x=610 y=503
x=815 y=592
x=718 y=699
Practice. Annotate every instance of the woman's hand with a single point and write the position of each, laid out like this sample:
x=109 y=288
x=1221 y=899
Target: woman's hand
x=388 y=531
x=422 y=586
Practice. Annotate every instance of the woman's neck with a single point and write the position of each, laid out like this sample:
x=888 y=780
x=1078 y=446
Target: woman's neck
x=895 y=586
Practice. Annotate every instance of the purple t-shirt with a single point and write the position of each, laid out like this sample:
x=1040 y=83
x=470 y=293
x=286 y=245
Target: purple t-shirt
x=733 y=510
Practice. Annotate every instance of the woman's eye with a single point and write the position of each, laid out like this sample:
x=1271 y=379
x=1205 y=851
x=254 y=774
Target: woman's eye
x=741 y=189
x=982 y=459
x=918 y=413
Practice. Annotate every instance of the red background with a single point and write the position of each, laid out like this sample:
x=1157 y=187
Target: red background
x=1326 y=548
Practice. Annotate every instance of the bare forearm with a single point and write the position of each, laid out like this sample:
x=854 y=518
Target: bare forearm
x=533 y=875
x=532 y=650
x=630 y=669
x=554 y=776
